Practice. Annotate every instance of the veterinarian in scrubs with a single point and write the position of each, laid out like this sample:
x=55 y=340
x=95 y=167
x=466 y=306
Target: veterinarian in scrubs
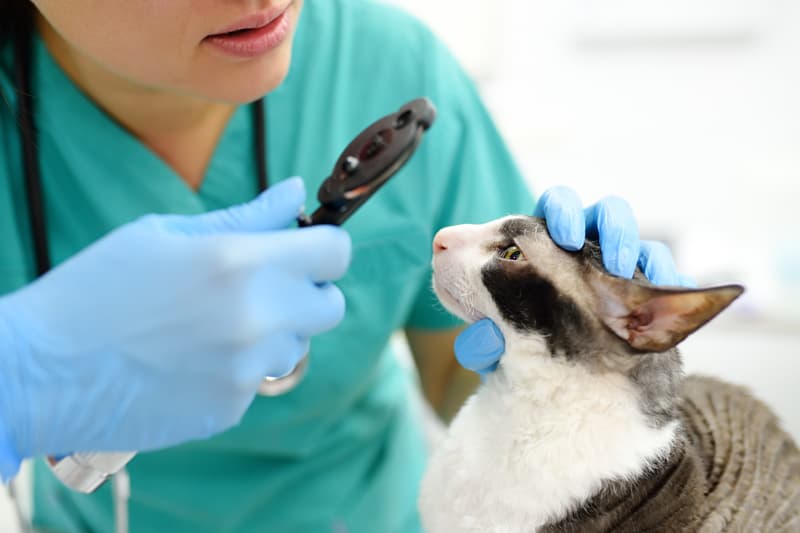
x=152 y=332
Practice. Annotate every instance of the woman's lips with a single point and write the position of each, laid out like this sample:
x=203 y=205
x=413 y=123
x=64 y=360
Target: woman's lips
x=256 y=37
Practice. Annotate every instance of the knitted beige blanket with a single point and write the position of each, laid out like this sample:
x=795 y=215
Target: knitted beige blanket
x=752 y=466
x=734 y=470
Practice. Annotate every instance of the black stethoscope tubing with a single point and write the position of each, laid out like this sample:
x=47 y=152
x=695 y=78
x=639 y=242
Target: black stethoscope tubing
x=30 y=151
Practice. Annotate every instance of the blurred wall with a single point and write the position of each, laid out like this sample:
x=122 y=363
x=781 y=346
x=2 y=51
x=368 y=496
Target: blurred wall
x=688 y=109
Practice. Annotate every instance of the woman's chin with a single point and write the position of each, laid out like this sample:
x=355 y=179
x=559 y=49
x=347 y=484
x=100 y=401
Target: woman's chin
x=244 y=82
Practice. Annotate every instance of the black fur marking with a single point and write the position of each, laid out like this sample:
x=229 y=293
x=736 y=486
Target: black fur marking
x=531 y=303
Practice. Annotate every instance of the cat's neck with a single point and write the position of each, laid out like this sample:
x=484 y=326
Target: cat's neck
x=568 y=431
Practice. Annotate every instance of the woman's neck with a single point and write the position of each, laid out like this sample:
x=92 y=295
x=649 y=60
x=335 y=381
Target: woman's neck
x=181 y=129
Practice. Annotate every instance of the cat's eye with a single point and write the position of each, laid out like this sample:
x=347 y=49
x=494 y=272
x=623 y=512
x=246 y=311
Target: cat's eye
x=512 y=253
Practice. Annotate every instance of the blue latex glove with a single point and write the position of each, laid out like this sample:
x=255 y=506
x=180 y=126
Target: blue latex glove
x=162 y=331
x=611 y=222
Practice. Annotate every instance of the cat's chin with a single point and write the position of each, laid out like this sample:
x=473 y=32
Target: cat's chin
x=452 y=304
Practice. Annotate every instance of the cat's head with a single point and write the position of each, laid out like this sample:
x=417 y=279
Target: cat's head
x=511 y=271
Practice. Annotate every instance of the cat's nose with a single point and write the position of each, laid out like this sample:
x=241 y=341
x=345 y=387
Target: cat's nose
x=438 y=244
x=447 y=238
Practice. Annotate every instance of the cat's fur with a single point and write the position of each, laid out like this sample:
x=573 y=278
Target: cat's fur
x=588 y=424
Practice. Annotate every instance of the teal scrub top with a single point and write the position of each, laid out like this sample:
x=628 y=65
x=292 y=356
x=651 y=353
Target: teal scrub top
x=344 y=451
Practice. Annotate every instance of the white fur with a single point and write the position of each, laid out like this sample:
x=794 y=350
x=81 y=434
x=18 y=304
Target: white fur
x=540 y=437
x=525 y=451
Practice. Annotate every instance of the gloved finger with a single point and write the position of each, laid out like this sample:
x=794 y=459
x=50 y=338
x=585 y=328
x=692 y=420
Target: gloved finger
x=562 y=210
x=611 y=220
x=321 y=309
x=274 y=209
x=275 y=357
x=320 y=253
x=9 y=465
x=480 y=346
x=655 y=260
x=484 y=372
x=687 y=281
x=278 y=300
x=294 y=351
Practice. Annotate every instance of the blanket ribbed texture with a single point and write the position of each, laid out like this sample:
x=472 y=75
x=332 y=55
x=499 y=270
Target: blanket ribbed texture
x=733 y=469
x=752 y=465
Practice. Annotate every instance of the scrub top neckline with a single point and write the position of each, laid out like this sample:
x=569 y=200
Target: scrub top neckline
x=77 y=108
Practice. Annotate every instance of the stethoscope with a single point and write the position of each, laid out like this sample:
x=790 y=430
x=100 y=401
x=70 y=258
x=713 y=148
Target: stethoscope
x=365 y=165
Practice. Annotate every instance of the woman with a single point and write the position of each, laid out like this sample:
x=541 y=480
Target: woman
x=154 y=331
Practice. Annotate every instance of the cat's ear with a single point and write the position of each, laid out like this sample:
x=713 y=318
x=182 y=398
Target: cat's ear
x=655 y=319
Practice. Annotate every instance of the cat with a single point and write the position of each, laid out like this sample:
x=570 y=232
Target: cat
x=588 y=424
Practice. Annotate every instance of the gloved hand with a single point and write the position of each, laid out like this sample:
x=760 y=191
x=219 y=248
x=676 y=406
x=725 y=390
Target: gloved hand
x=162 y=331
x=611 y=222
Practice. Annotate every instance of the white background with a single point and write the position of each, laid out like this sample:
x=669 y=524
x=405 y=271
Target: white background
x=689 y=109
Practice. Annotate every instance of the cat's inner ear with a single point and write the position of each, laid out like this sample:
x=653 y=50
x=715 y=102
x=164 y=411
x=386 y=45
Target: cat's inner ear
x=655 y=319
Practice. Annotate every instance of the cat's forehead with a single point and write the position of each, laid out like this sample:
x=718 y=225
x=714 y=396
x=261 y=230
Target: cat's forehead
x=519 y=227
x=531 y=234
